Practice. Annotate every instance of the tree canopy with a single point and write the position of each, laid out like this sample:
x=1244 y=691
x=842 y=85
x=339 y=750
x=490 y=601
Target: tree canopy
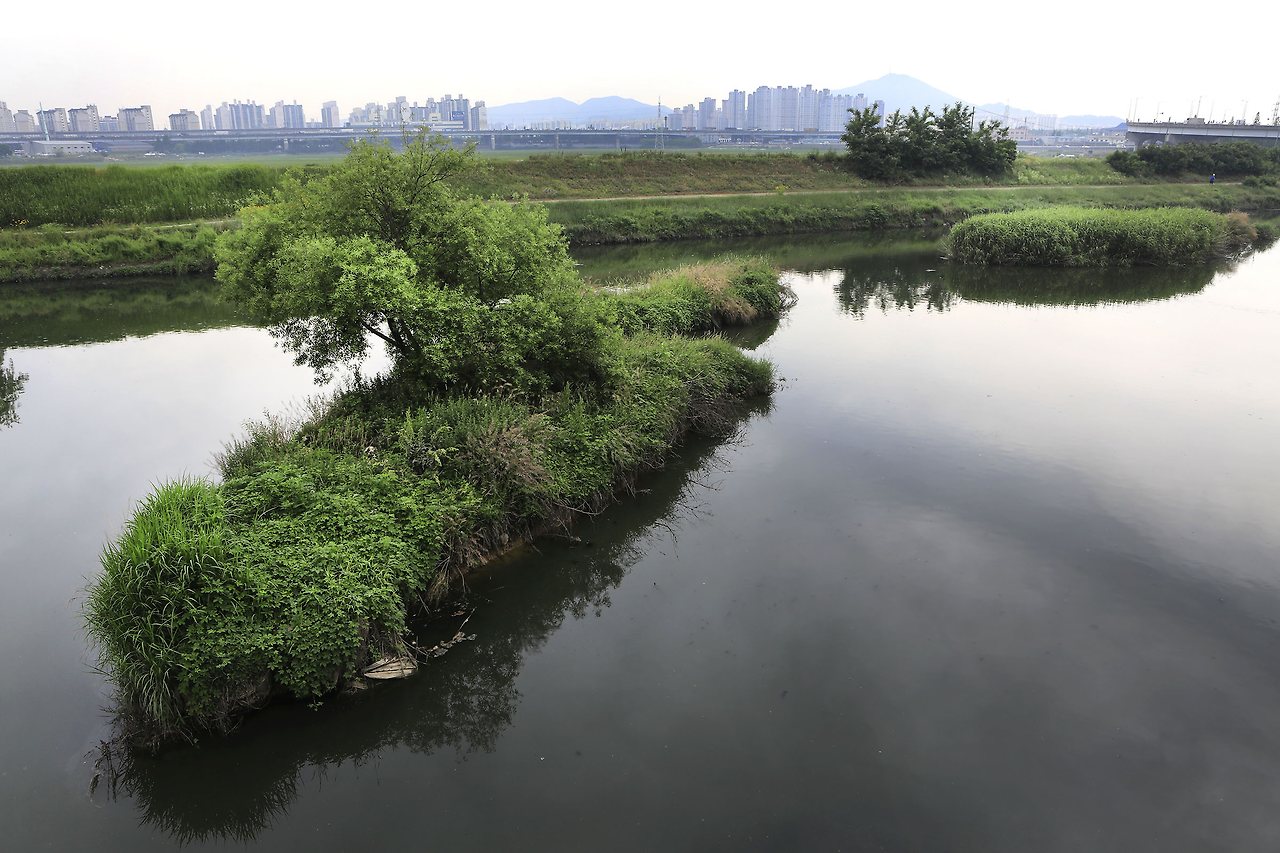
x=922 y=144
x=461 y=291
x=1230 y=159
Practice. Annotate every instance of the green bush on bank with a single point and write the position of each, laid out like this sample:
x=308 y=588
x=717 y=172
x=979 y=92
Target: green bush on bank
x=1081 y=237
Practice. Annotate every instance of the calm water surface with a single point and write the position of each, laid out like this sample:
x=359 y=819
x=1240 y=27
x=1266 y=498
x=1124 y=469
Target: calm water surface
x=995 y=570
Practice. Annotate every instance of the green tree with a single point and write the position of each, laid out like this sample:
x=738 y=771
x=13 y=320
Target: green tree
x=871 y=154
x=991 y=151
x=462 y=292
x=923 y=144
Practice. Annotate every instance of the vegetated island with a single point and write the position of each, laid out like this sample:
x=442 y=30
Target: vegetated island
x=1091 y=237
x=517 y=400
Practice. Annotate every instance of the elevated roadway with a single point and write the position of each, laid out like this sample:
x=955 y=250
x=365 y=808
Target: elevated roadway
x=1176 y=133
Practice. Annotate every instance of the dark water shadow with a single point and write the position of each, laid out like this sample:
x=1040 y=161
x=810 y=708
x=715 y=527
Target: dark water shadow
x=235 y=788
x=45 y=314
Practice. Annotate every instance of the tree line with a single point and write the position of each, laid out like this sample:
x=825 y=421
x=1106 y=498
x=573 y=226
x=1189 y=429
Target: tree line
x=1231 y=159
x=922 y=143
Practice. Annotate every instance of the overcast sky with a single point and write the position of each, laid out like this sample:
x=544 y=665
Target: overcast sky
x=1092 y=58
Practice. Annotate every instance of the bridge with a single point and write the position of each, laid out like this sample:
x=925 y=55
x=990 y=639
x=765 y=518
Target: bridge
x=335 y=139
x=1142 y=133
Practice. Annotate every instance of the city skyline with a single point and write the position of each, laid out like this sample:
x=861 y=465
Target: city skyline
x=980 y=52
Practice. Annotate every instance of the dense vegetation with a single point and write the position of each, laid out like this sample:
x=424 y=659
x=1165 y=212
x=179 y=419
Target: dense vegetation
x=76 y=195
x=517 y=399
x=1085 y=237
x=1226 y=159
x=922 y=144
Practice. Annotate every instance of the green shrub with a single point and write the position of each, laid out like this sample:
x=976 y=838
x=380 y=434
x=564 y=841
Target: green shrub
x=1066 y=236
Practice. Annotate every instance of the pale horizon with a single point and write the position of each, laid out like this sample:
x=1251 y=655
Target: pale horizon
x=504 y=53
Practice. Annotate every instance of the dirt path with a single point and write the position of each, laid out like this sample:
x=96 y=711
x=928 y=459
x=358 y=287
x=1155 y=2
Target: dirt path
x=872 y=191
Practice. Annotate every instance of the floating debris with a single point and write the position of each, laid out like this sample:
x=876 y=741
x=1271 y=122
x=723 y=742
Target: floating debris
x=391 y=667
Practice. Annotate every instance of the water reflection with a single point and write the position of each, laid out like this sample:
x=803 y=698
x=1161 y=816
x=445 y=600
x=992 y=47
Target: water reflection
x=66 y=313
x=233 y=789
x=802 y=253
x=923 y=281
x=11 y=384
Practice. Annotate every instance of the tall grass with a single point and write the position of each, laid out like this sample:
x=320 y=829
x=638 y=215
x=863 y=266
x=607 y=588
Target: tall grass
x=704 y=297
x=147 y=610
x=1086 y=237
x=75 y=195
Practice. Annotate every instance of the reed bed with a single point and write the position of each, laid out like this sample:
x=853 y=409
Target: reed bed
x=1090 y=237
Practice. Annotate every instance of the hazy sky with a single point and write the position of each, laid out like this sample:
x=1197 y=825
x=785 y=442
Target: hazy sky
x=1075 y=59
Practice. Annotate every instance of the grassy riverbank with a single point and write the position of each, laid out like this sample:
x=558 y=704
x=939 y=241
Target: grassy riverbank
x=1085 y=237
x=82 y=195
x=303 y=564
x=647 y=220
x=50 y=252
x=106 y=251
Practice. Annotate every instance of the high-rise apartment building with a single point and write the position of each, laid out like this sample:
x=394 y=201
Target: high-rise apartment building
x=53 y=121
x=135 y=119
x=207 y=119
x=329 y=115
x=24 y=122
x=239 y=116
x=109 y=124
x=84 y=119
x=734 y=108
x=184 y=120
x=707 y=114
x=284 y=115
x=6 y=119
x=479 y=117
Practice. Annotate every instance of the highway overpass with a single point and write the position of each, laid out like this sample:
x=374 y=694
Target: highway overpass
x=1142 y=133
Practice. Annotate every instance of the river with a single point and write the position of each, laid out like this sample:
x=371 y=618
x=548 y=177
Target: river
x=995 y=570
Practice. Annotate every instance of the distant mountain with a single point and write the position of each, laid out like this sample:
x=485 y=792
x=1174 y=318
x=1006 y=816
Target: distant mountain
x=902 y=92
x=611 y=108
x=1107 y=122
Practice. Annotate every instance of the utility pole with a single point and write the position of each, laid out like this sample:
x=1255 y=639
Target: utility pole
x=659 y=144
